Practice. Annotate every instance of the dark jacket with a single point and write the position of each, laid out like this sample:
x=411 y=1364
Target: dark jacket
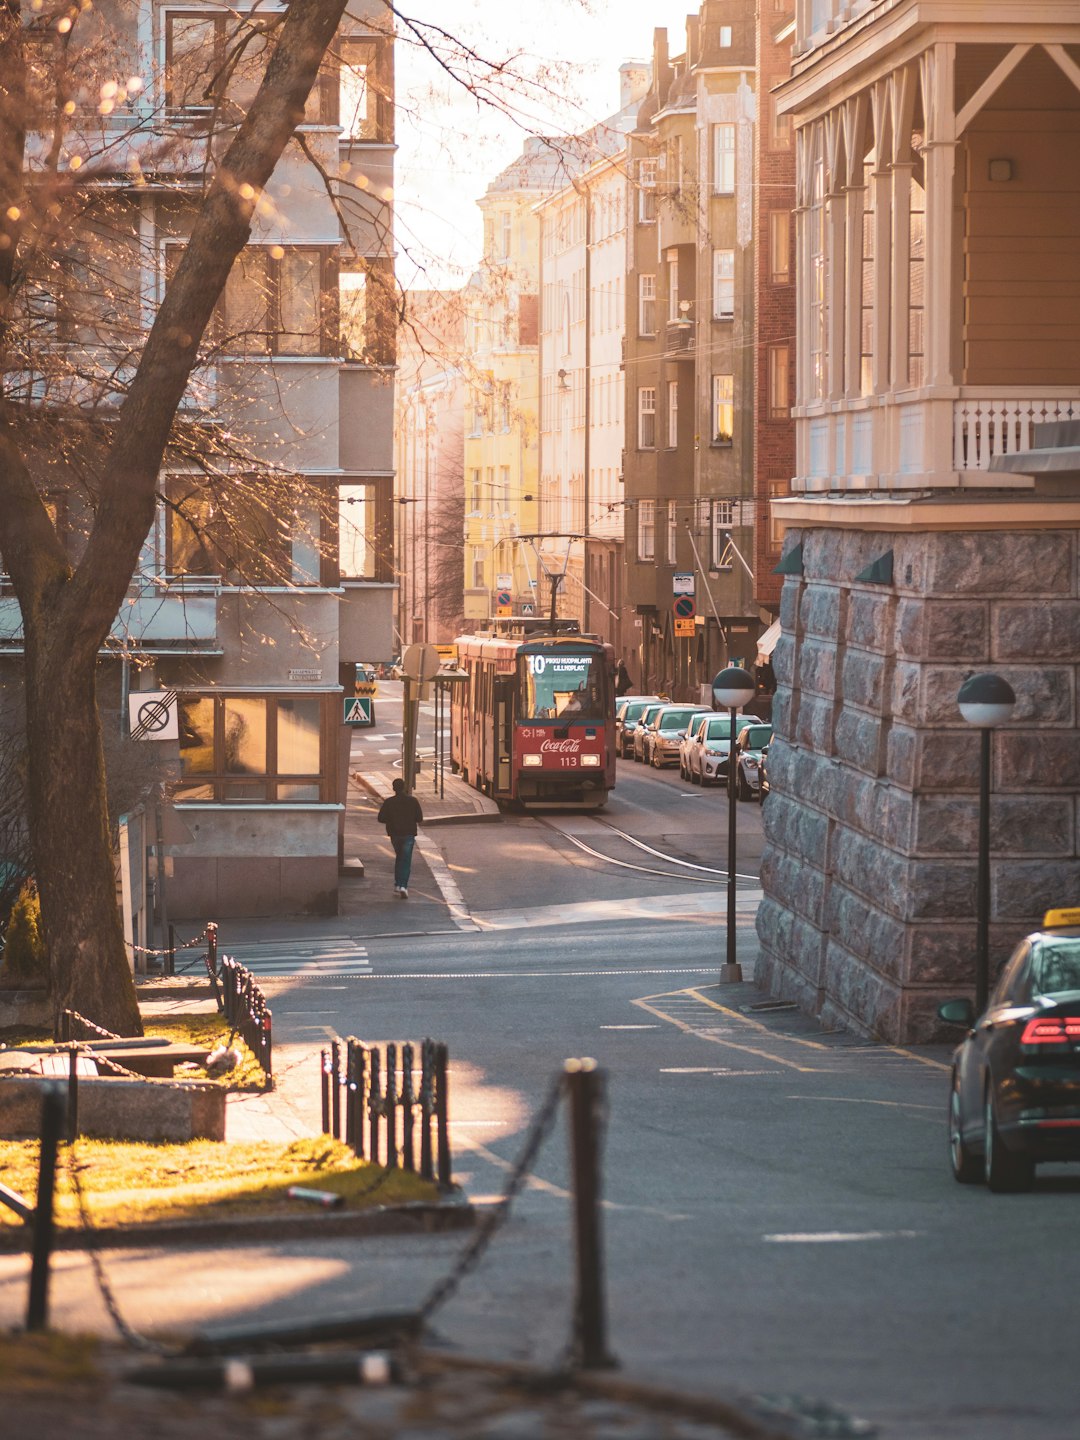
x=400 y=814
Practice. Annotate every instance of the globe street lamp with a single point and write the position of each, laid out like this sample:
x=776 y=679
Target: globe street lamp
x=732 y=689
x=985 y=701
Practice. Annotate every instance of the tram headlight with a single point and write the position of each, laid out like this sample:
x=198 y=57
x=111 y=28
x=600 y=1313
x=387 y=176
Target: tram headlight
x=590 y=760
x=532 y=760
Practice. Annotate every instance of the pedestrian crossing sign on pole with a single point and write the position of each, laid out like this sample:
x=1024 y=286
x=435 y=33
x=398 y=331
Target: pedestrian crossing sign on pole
x=358 y=710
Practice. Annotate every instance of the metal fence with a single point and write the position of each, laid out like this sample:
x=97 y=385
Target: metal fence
x=247 y=1012
x=381 y=1109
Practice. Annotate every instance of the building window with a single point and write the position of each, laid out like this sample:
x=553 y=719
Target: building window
x=647 y=189
x=646 y=530
x=477 y=567
x=723 y=409
x=723 y=36
x=278 y=300
x=252 y=749
x=916 y=283
x=672 y=533
x=777 y=488
x=723 y=518
x=779 y=382
x=474 y=492
x=866 y=319
x=779 y=247
x=724 y=159
x=646 y=304
x=241 y=536
x=673 y=285
x=505 y=233
x=781 y=127
x=358 y=89
x=365 y=530
x=815 y=222
x=672 y=414
x=504 y=406
x=646 y=396
x=723 y=284
x=504 y=489
x=674 y=161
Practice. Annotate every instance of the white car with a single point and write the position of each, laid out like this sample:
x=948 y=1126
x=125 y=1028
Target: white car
x=707 y=755
x=750 y=744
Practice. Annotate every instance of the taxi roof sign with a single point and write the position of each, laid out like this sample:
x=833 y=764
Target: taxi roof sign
x=1058 y=919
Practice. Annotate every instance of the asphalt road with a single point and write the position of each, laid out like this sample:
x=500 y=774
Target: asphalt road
x=779 y=1216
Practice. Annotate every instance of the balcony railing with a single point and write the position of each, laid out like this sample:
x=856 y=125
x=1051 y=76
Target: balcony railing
x=986 y=427
x=175 y=616
x=679 y=338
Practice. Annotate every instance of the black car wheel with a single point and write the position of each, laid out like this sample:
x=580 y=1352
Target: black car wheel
x=1005 y=1171
x=967 y=1168
x=742 y=787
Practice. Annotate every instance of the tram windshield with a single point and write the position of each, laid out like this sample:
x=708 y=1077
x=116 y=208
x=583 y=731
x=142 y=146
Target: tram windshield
x=558 y=685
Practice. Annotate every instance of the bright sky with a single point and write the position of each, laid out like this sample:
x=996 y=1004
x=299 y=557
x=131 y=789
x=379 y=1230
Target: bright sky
x=450 y=147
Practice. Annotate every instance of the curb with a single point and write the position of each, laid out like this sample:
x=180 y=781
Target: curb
x=415 y=1219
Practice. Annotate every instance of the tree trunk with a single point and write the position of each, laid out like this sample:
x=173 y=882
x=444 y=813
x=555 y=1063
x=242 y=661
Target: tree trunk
x=73 y=852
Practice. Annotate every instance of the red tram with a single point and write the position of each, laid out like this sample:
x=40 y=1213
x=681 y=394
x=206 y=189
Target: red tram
x=535 y=721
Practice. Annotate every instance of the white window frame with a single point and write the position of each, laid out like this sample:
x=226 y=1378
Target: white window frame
x=647 y=166
x=723 y=402
x=672 y=532
x=646 y=412
x=646 y=530
x=723 y=520
x=723 y=284
x=673 y=285
x=724 y=159
x=672 y=414
x=646 y=304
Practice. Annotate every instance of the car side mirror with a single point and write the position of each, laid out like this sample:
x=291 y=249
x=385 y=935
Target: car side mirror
x=957 y=1012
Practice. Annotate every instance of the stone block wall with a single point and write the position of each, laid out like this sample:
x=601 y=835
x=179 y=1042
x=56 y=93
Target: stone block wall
x=869 y=869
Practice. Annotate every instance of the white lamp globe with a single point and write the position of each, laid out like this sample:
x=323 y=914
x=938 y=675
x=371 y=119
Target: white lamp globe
x=733 y=688
x=986 y=700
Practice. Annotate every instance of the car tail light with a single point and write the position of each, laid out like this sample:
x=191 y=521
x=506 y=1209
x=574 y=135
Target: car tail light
x=1051 y=1030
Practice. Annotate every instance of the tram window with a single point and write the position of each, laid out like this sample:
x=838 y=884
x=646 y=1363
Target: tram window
x=554 y=685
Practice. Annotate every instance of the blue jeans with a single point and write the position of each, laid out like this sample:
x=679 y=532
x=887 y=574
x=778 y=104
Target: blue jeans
x=403 y=848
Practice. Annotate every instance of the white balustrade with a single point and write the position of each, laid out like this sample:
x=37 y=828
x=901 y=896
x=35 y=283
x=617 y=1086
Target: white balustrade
x=986 y=428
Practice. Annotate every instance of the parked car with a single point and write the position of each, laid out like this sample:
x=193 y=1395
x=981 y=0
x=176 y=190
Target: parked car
x=763 y=774
x=660 y=743
x=750 y=744
x=643 y=722
x=627 y=711
x=707 y=754
x=688 y=739
x=1014 y=1092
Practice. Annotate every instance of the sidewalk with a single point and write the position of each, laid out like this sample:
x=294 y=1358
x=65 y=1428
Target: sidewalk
x=454 y=800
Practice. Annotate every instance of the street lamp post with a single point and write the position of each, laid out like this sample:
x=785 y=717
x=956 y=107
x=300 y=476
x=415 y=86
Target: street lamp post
x=732 y=688
x=985 y=701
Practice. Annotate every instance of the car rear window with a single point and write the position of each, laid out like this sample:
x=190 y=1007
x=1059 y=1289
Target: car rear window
x=675 y=719
x=1055 y=966
x=720 y=728
x=757 y=736
x=633 y=712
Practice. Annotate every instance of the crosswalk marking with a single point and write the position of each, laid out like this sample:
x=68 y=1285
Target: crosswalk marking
x=334 y=955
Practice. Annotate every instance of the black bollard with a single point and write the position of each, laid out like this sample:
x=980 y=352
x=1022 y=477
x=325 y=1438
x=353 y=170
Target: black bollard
x=442 y=1117
x=52 y=1124
x=391 y=1106
x=427 y=1107
x=335 y=1088
x=324 y=1076
x=585 y=1087
x=73 y=1093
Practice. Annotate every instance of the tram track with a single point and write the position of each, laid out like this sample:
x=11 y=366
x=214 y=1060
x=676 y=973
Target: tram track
x=705 y=874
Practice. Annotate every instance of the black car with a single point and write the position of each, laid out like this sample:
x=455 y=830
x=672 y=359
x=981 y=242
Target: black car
x=1015 y=1094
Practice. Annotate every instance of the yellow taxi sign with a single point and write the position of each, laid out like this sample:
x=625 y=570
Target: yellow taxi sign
x=1058 y=919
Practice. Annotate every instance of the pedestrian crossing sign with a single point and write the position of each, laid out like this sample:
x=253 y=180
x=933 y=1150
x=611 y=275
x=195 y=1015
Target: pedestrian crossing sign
x=358 y=710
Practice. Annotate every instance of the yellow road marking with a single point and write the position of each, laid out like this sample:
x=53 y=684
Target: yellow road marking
x=718 y=1040
x=922 y=1059
x=753 y=1024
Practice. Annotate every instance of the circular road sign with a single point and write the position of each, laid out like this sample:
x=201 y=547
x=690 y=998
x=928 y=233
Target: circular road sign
x=152 y=715
x=503 y=597
x=684 y=607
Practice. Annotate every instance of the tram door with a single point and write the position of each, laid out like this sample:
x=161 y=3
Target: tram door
x=504 y=734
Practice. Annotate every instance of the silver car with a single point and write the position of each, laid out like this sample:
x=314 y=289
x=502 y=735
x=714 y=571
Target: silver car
x=665 y=733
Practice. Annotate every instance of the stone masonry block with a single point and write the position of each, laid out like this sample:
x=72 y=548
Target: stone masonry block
x=861 y=548
x=877 y=874
x=859 y=997
x=863 y=929
x=1001 y=562
x=858 y=737
x=781 y=710
x=792 y=940
x=906 y=691
x=814 y=727
x=1026 y=889
x=817 y=667
x=943 y=953
x=791 y=882
x=944 y=630
x=940 y=889
x=1044 y=693
x=1049 y=761
x=783 y=660
x=823 y=554
x=820 y=611
x=790 y=596
x=1036 y=630
x=1019 y=825
x=870 y=623
x=946 y=760
x=900 y=753
x=910 y=567
x=863 y=679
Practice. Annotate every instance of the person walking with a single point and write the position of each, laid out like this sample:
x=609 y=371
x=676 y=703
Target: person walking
x=623 y=683
x=401 y=813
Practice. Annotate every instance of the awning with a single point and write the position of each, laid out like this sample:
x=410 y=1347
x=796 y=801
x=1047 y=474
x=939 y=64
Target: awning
x=767 y=643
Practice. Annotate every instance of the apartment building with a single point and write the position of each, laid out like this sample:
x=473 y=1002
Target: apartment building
x=269 y=568
x=933 y=528
x=429 y=437
x=689 y=372
x=501 y=459
x=582 y=323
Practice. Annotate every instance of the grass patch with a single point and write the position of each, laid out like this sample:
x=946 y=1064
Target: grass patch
x=46 y=1362
x=130 y=1184
x=207 y=1031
